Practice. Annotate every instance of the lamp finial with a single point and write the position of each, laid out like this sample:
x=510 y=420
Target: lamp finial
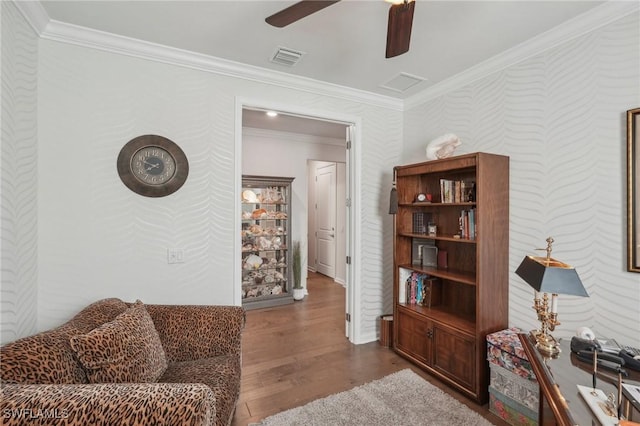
x=549 y=243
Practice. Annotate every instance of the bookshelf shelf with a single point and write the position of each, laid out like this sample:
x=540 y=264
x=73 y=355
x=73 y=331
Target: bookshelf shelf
x=448 y=274
x=435 y=204
x=438 y=237
x=442 y=314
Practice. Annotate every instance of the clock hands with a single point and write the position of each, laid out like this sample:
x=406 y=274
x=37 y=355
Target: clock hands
x=153 y=166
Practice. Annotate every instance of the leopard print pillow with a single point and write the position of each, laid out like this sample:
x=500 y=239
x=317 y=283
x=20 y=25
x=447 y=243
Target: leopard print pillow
x=127 y=349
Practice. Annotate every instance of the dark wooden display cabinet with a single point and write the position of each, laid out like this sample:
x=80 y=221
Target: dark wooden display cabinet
x=443 y=312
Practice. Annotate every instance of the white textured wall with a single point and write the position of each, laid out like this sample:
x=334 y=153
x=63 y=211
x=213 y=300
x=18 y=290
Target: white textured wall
x=560 y=116
x=99 y=239
x=18 y=192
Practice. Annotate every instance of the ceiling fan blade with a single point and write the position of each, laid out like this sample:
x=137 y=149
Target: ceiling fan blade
x=399 y=28
x=297 y=11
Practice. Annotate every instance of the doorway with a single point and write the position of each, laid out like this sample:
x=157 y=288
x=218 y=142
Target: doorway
x=327 y=219
x=348 y=126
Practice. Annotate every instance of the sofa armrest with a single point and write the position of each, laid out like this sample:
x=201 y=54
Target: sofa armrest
x=107 y=404
x=191 y=332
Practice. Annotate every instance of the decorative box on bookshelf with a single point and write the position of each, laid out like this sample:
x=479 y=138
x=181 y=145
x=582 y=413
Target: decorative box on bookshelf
x=424 y=252
x=420 y=222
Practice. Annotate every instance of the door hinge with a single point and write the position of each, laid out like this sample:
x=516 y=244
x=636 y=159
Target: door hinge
x=348 y=144
x=347 y=317
x=348 y=260
x=348 y=202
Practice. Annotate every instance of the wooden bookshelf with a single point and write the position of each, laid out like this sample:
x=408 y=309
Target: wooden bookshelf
x=448 y=339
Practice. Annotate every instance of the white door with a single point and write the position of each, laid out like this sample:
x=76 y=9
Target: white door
x=326 y=220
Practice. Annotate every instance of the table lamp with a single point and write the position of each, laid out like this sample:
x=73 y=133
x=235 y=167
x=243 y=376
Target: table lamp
x=549 y=276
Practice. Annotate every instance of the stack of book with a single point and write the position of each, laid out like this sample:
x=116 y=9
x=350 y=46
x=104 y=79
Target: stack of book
x=422 y=289
x=457 y=191
x=467 y=221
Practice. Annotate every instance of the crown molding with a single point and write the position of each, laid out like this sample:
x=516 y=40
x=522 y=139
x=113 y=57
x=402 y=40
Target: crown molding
x=582 y=24
x=100 y=40
x=587 y=22
x=34 y=14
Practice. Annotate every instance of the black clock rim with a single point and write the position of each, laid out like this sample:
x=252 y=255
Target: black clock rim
x=126 y=174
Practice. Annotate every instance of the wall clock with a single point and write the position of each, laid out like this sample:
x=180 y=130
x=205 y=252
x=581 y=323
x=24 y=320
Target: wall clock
x=152 y=166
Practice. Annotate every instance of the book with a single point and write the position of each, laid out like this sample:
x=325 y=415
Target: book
x=472 y=224
x=415 y=288
x=457 y=191
x=443 y=261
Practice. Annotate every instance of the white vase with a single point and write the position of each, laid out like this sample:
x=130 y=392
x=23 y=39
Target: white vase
x=298 y=293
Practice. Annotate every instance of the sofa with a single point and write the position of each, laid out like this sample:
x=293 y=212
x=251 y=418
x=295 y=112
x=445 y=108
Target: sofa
x=118 y=363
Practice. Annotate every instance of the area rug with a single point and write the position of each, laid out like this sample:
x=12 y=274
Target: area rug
x=402 y=398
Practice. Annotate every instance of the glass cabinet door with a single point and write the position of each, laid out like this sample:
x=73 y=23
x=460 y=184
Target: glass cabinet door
x=266 y=240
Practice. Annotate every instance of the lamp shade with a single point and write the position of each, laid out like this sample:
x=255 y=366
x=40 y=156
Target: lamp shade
x=551 y=276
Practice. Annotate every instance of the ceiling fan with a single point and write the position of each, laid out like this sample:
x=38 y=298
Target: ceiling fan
x=398 y=27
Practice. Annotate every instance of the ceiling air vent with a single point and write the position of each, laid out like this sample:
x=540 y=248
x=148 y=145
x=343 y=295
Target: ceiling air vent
x=402 y=82
x=286 y=56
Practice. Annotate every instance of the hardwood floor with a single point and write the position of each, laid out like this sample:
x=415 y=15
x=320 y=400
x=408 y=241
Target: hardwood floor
x=297 y=353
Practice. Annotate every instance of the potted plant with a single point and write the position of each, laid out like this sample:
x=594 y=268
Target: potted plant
x=298 y=291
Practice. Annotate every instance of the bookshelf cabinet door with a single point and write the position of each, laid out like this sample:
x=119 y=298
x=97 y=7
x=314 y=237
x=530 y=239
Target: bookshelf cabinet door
x=414 y=337
x=454 y=356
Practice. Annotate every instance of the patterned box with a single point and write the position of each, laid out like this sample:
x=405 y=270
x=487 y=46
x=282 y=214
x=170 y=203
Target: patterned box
x=504 y=349
x=523 y=391
x=511 y=411
x=513 y=389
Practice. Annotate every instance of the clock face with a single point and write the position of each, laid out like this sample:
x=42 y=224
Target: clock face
x=153 y=165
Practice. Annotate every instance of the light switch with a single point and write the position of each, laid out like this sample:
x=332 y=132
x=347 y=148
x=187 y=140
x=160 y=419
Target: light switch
x=175 y=255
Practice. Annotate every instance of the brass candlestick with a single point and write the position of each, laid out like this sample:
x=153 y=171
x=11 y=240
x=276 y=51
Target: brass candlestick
x=548 y=321
x=549 y=277
x=547 y=315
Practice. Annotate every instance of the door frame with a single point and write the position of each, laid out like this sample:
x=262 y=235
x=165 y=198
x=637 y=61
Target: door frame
x=354 y=125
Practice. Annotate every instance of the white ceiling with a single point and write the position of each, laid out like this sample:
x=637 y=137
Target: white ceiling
x=344 y=44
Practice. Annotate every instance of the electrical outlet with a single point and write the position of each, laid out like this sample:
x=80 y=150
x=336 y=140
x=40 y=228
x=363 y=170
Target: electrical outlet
x=175 y=255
